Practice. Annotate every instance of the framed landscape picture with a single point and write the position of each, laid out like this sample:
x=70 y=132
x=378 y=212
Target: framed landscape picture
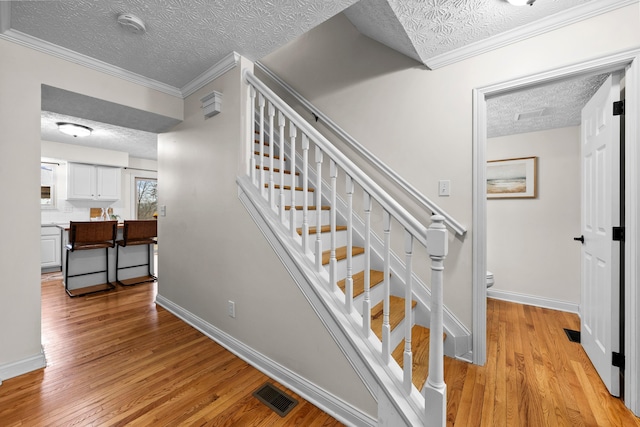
x=512 y=178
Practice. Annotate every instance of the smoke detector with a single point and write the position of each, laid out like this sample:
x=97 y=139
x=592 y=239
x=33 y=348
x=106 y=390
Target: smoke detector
x=131 y=23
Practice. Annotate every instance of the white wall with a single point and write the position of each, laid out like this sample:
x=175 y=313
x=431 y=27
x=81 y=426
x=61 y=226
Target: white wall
x=530 y=247
x=22 y=72
x=212 y=252
x=419 y=121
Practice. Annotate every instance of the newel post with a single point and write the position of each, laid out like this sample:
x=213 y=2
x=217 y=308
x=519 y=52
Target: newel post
x=435 y=390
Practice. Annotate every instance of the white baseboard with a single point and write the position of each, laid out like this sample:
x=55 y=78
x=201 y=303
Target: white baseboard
x=23 y=366
x=321 y=398
x=534 y=300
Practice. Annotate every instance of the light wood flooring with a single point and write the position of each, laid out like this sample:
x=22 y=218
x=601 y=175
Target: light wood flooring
x=534 y=376
x=118 y=359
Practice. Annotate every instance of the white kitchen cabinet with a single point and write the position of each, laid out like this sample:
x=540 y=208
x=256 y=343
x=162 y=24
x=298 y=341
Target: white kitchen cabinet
x=91 y=182
x=50 y=247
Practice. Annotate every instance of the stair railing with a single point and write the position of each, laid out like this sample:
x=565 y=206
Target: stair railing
x=266 y=105
x=423 y=200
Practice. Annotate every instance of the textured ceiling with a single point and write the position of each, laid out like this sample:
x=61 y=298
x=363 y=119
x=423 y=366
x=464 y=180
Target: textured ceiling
x=435 y=27
x=116 y=127
x=561 y=104
x=137 y=143
x=183 y=38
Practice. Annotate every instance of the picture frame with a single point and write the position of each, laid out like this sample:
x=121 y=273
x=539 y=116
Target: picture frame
x=512 y=178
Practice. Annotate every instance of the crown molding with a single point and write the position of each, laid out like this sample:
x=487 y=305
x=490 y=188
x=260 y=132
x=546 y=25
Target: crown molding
x=558 y=20
x=84 y=60
x=221 y=67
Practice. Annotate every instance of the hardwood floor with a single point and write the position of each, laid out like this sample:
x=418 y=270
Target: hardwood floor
x=534 y=376
x=117 y=359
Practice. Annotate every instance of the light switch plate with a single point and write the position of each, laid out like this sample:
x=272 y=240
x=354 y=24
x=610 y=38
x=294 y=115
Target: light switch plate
x=444 y=188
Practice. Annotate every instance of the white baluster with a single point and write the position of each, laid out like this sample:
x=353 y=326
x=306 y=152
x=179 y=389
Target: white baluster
x=386 y=326
x=252 y=136
x=319 y=158
x=261 y=110
x=305 y=189
x=348 y=289
x=333 y=261
x=408 y=293
x=293 y=131
x=366 y=303
x=272 y=201
x=281 y=122
x=435 y=390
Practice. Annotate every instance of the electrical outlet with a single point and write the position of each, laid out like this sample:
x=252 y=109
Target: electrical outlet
x=231 y=308
x=444 y=188
x=163 y=210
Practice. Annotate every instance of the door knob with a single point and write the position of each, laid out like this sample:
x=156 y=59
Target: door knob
x=579 y=239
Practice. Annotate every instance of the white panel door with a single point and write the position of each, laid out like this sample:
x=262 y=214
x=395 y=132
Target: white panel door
x=599 y=308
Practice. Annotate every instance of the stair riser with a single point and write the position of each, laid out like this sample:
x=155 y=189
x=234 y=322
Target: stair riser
x=341 y=240
x=299 y=196
x=267 y=161
x=376 y=295
x=287 y=197
x=357 y=262
x=325 y=217
x=397 y=334
x=267 y=148
x=289 y=179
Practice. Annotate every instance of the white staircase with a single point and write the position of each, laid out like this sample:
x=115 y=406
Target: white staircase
x=378 y=302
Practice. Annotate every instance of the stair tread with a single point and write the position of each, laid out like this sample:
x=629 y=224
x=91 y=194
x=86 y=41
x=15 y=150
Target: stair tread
x=341 y=253
x=276 y=170
x=266 y=143
x=396 y=314
x=323 y=229
x=420 y=354
x=377 y=277
x=310 y=208
x=288 y=187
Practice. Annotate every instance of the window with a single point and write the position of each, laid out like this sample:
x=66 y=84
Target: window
x=47 y=185
x=146 y=198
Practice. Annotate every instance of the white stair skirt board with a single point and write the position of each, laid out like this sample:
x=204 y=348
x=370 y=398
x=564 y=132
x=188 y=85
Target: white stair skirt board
x=343 y=328
x=534 y=300
x=23 y=366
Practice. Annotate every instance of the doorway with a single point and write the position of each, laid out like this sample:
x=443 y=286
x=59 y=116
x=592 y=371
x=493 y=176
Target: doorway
x=630 y=63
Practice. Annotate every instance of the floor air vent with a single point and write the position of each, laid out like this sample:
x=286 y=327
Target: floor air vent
x=574 y=336
x=275 y=399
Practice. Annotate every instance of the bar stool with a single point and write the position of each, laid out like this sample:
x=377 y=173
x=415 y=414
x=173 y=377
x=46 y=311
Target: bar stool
x=137 y=232
x=90 y=235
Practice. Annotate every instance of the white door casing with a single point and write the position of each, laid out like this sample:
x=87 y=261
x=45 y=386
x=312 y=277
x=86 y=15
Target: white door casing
x=629 y=61
x=600 y=278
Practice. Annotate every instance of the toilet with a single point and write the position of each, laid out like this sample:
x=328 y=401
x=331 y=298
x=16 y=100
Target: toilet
x=489 y=279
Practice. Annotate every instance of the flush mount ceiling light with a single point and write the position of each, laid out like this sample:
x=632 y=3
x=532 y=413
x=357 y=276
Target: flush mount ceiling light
x=74 y=129
x=521 y=2
x=132 y=23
